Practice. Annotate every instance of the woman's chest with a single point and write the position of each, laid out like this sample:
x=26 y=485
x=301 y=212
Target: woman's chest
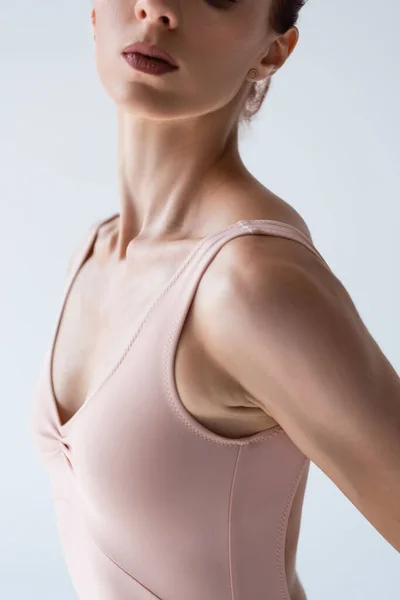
x=101 y=319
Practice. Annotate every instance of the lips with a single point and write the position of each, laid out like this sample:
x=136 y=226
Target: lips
x=150 y=50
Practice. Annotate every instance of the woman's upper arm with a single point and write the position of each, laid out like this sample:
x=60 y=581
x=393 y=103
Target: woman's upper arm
x=294 y=340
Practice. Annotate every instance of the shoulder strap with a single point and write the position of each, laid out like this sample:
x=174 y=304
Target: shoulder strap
x=181 y=293
x=284 y=230
x=83 y=248
x=212 y=244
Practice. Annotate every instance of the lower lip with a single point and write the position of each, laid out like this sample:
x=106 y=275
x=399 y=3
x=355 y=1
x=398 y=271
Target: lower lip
x=148 y=65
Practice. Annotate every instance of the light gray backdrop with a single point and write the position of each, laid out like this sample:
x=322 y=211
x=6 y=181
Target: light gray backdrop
x=327 y=141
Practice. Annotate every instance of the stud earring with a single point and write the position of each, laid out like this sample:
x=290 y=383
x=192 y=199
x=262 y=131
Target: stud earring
x=253 y=73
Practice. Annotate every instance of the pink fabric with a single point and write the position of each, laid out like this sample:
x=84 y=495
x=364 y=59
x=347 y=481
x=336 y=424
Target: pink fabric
x=148 y=502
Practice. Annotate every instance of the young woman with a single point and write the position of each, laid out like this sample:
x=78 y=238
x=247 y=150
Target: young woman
x=204 y=352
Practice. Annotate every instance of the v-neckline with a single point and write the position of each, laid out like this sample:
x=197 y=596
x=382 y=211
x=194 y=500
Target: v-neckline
x=63 y=428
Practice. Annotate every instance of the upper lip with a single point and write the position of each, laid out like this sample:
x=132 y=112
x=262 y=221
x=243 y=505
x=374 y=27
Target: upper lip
x=149 y=50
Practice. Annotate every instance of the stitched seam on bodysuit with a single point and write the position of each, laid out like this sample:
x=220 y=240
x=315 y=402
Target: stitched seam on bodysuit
x=246 y=227
x=285 y=227
x=230 y=522
x=185 y=420
x=58 y=498
x=282 y=531
x=122 y=569
x=280 y=225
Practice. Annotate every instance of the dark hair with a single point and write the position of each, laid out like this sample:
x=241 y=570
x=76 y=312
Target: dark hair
x=284 y=14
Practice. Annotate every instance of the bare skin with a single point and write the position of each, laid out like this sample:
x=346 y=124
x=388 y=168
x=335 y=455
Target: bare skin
x=178 y=134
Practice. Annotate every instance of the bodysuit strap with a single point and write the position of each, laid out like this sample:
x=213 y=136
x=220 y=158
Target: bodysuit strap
x=84 y=248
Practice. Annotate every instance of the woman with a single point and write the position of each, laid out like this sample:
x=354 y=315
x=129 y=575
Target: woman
x=190 y=381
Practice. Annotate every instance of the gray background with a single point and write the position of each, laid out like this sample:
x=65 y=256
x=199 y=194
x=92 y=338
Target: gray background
x=327 y=141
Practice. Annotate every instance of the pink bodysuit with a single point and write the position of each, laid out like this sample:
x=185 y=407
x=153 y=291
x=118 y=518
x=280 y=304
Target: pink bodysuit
x=149 y=503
